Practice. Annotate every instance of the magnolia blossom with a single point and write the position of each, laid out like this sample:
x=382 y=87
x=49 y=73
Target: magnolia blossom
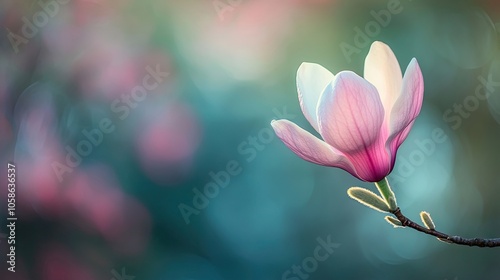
x=362 y=121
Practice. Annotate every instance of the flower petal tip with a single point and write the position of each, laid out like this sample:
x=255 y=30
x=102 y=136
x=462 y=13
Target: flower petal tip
x=305 y=64
x=414 y=62
x=379 y=44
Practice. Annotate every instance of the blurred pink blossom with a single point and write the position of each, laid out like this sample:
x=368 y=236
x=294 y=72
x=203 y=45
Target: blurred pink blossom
x=167 y=143
x=95 y=201
x=55 y=262
x=36 y=148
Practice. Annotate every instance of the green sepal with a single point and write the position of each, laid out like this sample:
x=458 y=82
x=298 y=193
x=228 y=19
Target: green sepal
x=368 y=198
x=392 y=203
x=393 y=221
x=427 y=220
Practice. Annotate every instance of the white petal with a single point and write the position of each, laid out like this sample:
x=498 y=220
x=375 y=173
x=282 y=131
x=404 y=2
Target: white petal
x=311 y=81
x=383 y=71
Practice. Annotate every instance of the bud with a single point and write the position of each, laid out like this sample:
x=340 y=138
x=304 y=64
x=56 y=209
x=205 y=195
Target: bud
x=427 y=220
x=368 y=198
x=393 y=221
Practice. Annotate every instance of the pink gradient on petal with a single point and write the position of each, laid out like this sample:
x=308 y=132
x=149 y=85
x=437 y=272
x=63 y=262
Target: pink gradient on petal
x=372 y=164
x=308 y=147
x=350 y=113
x=407 y=107
x=351 y=118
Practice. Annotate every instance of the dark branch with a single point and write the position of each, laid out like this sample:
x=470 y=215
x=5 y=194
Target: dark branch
x=479 y=242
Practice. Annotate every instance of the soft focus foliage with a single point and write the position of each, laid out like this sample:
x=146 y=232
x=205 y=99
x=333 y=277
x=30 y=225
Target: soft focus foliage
x=156 y=115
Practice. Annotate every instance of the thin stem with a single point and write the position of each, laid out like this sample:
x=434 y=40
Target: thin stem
x=479 y=242
x=385 y=190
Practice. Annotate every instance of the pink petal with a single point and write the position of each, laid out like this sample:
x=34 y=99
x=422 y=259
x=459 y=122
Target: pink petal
x=383 y=71
x=309 y=147
x=311 y=81
x=373 y=163
x=350 y=120
x=350 y=113
x=407 y=106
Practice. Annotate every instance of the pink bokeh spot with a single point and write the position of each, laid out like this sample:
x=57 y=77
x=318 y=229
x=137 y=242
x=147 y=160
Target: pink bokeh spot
x=168 y=142
x=96 y=199
x=106 y=68
x=55 y=262
x=36 y=149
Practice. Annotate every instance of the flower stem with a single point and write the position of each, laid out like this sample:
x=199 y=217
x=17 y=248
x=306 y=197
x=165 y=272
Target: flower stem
x=390 y=198
x=385 y=190
x=478 y=242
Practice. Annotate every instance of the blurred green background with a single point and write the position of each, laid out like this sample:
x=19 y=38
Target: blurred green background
x=117 y=114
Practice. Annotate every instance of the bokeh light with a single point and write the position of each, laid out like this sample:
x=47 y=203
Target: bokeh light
x=140 y=132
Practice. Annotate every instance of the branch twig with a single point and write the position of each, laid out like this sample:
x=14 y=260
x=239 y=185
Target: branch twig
x=479 y=242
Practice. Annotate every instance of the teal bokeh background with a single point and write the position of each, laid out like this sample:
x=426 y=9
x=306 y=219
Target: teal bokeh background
x=220 y=71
